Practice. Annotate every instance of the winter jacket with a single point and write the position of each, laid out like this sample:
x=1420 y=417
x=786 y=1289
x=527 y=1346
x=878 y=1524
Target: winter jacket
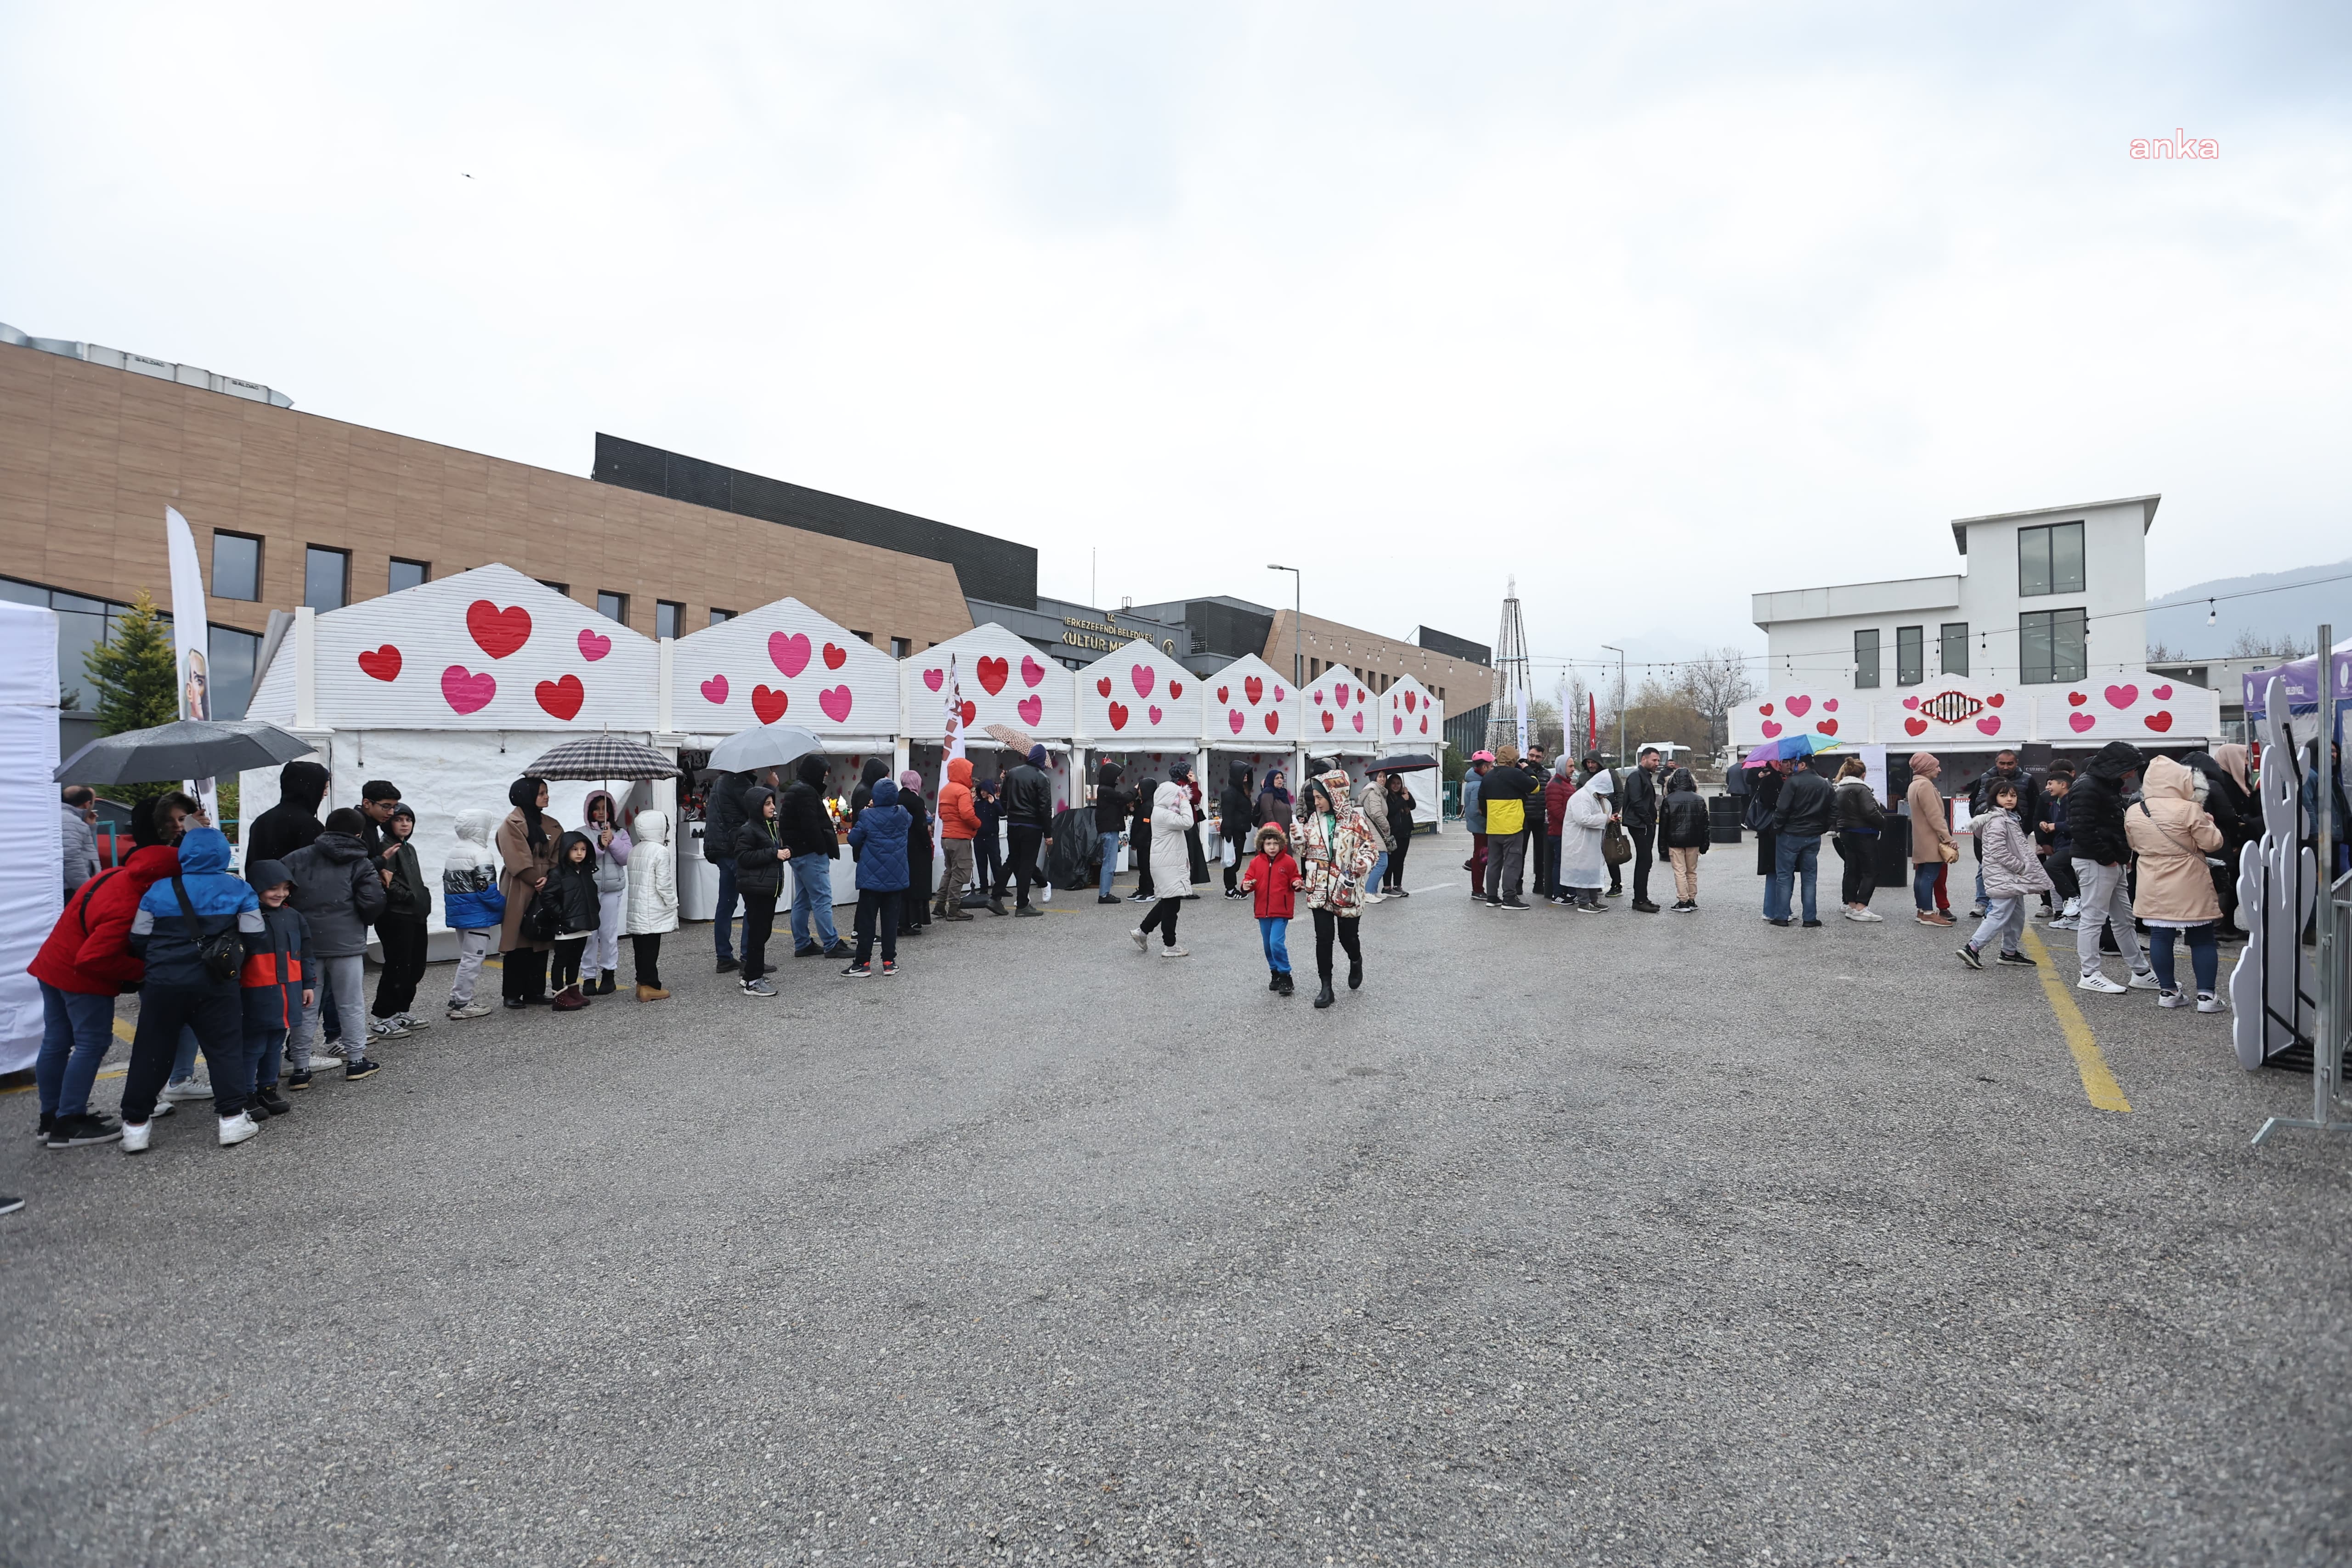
x=1171 y=819
x=408 y=898
x=519 y=866
x=1856 y=807
x=278 y=963
x=81 y=843
x=803 y=823
x=1805 y=805
x=875 y=770
x=574 y=887
x=1269 y=882
x=1557 y=795
x=2231 y=809
x=1376 y=813
x=1930 y=825
x=612 y=862
x=2029 y=795
x=1236 y=808
x=957 y=819
x=2052 y=829
x=757 y=869
x=990 y=810
x=2094 y=806
x=1271 y=809
x=1637 y=804
x=470 y=899
x=293 y=822
x=879 y=837
x=1335 y=854
x=1474 y=804
x=1139 y=826
x=1029 y=797
x=1502 y=797
x=1683 y=817
x=2011 y=868
x=1582 y=863
x=1112 y=804
x=2172 y=836
x=650 y=906
x=918 y=838
x=1400 y=809
x=722 y=815
x=339 y=893
x=167 y=940
x=89 y=949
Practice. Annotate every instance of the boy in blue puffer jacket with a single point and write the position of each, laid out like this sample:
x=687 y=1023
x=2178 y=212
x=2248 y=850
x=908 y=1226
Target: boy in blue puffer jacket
x=177 y=918
x=879 y=838
x=472 y=904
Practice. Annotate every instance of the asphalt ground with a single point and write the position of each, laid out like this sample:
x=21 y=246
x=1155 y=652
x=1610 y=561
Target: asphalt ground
x=1626 y=1239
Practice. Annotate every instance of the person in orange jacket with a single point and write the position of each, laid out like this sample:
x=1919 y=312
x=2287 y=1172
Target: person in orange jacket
x=959 y=825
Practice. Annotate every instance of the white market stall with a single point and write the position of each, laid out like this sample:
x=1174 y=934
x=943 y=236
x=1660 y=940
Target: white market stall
x=1409 y=719
x=781 y=663
x=1004 y=681
x=1137 y=707
x=1959 y=713
x=448 y=690
x=1249 y=714
x=31 y=846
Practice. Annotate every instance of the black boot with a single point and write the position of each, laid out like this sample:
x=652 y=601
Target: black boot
x=1324 y=997
x=1274 y=980
x=1355 y=973
x=1287 y=988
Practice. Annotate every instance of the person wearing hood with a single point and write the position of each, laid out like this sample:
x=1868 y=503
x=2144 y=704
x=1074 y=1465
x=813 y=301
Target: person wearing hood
x=1111 y=806
x=861 y=795
x=1336 y=851
x=2235 y=813
x=1376 y=816
x=472 y=904
x=1503 y=795
x=1804 y=812
x=1138 y=843
x=1474 y=819
x=915 y=910
x=1029 y=821
x=1195 y=857
x=2172 y=835
x=572 y=890
x=1236 y=806
x=1932 y=848
x=190 y=931
x=879 y=839
x=1685 y=828
x=601 y=821
x=1397 y=801
x=1171 y=819
x=2103 y=851
x=1583 y=863
x=960 y=828
x=806 y=829
x=339 y=894
x=276 y=983
x=526 y=847
x=761 y=857
x=649 y=909
x=1273 y=879
x=408 y=907
x=988 y=849
x=723 y=819
x=2012 y=873
x=293 y=822
x=1857 y=816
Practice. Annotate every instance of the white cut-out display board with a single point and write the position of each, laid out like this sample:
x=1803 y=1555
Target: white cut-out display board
x=1247 y=706
x=1004 y=681
x=1138 y=696
x=784 y=663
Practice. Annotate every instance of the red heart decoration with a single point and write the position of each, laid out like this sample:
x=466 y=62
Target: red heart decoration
x=1175 y=690
x=1328 y=722
x=1031 y=672
x=1118 y=714
x=1253 y=688
x=1798 y=705
x=1273 y=719
x=1764 y=709
x=1031 y=708
x=932 y=677
x=834 y=657
x=2122 y=695
x=790 y=654
x=1770 y=729
x=1154 y=712
x=1408 y=702
x=2082 y=721
x=1916 y=726
x=2161 y=693
x=993 y=673
x=715 y=689
x=561 y=698
x=2159 y=722
x=1827 y=726
x=1234 y=718
x=2076 y=700
x=769 y=704
x=1989 y=723
x=971 y=711
x=497 y=631
x=1143 y=678
x=1223 y=694
x=1997 y=699
x=1424 y=724
x=1318 y=699
x=464 y=692
x=1103 y=686
x=383 y=663
x=593 y=646
x=836 y=703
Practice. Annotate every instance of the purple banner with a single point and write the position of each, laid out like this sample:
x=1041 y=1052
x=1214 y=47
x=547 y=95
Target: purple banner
x=2302 y=677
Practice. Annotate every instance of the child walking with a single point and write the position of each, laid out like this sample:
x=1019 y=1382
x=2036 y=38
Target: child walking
x=572 y=885
x=471 y=902
x=1273 y=876
x=2012 y=872
x=879 y=840
x=610 y=846
x=279 y=978
x=408 y=905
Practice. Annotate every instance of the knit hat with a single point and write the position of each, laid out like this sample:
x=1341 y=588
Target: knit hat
x=1037 y=757
x=1926 y=764
x=1180 y=769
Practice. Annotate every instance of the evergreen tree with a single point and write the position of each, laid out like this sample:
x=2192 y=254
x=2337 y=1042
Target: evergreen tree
x=137 y=680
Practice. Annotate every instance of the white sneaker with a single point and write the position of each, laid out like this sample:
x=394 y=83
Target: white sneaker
x=1140 y=937
x=470 y=1010
x=2145 y=980
x=2098 y=982
x=1866 y=916
x=2209 y=1003
x=411 y=1021
x=187 y=1089
x=162 y=1108
x=2171 y=999
x=236 y=1129
x=386 y=1029
x=1175 y=952
x=1375 y=898
x=136 y=1136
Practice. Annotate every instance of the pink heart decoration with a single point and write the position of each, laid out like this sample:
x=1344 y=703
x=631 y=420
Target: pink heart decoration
x=467 y=692
x=1233 y=719
x=1031 y=708
x=790 y=654
x=1338 y=694
x=2122 y=695
x=1989 y=723
x=1318 y=699
x=2161 y=693
x=1360 y=722
x=1396 y=725
x=1770 y=729
x=1830 y=704
x=2082 y=721
x=835 y=704
x=932 y=677
x=1279 y=694
x=1031 y=672
x=1800 y=705
x=715 y=689
x=1912 y=702
x=1153 y=712
x=593 y=647
x=1142 y=677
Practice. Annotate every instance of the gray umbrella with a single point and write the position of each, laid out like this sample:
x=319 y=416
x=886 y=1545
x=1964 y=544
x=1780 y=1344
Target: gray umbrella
x=183 y=749
x=768 y=746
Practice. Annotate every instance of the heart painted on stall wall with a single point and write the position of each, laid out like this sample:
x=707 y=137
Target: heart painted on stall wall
x=971 y=711
x=383 y=663
x=993 y=673
x=2075 y=699
x=1360 y=721
x=715 y=689
x=1828 y=705
x=1102 y=686
x=1408 y=702
x=2122 y=695
x=1254 y=689
x=1224 y=694
x=593 y=647
x=2082 y=721
x=836 y=703
x=769 y=704
x=1143 y=678
x=1273 y=720
x=932 y=677
x=1915 y=726
x=1764 y=709
x=1770 y=729
x=464 y=692
x=1328 y=722
x=1424 y=724
x=1827 y=726
x=1234 y=718
x=495 y=631
x=1119 y=715
x=1031 y=708
x=1279 y=694
x=1339 y=694
x=2159 y=721
x=561 y=698
x=1913 y=702
x=1989 y=723
x=1318 y=699
x=790 y=654
x=1175 y=690
x=1152 y=712
x=1396 y=725
x=1997 y=699
x=2161 y=693
x=1031 y=672
x=834 y=657
x=1800 y=706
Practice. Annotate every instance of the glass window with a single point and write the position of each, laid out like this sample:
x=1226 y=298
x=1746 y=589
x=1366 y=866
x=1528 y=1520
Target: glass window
x=1910 y=655
x=719 y=617
x=237 y=567
x=563 y=588
x=669 y=618
x=2050 y=560
x=1865 y=657
x=2052 y=646
x=902 y=647
x=409 y=573
x=613 y=607
x=1956 y=648
x=232 y=654
x=326 y=578
x=79 y=631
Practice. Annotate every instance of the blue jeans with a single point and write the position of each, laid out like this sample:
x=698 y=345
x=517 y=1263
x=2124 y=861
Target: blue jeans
x=2204 y=954
x=1923 y=885
x=812 y=901
x=1791 y=856
x=1274 y=935
x=1380 y=870
x=183 y=1064
x=77 y=1031
x=265 y=1051
x=1109 y=861
x=722 y=919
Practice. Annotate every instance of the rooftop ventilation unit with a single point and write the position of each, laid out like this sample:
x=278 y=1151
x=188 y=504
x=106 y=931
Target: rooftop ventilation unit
x=139 y=365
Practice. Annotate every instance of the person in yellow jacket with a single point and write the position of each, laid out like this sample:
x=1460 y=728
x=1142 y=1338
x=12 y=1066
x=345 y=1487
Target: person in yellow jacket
x=1503 y=794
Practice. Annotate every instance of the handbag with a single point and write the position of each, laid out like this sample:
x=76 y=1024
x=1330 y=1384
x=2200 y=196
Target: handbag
x=221 y=955
x=1615 y=848
x=1948 y=852
x=543 y=921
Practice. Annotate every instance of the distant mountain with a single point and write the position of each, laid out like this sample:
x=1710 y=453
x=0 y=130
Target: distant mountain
x=2279 y=603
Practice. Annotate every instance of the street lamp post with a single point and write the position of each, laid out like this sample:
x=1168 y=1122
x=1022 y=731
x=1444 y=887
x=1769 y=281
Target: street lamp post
x=1297 y=600
x=1620 y=701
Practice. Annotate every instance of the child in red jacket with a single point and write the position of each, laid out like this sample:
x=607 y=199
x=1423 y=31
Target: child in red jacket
x=1273 y=875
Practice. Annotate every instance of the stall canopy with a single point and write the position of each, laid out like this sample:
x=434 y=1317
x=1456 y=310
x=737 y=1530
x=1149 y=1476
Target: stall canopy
x=784 y=663
x=1340 y=714
x=1137 y=696
x=2302 y=679
x=1246 y=705
x=1409 y=718
x=30 y=845
x=1004 y=681
x=1961 y=712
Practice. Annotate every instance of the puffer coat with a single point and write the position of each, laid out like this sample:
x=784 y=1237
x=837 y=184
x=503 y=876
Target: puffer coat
x=651 y=906
x=2011 y=868
x=2172 y=836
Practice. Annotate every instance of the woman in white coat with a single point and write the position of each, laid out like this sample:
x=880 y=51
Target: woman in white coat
x=1583 y=870
x=1173 y=819
x=649 y=905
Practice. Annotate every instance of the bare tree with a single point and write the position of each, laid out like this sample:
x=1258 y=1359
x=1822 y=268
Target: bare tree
x=2251 y=644
x=1714 y=684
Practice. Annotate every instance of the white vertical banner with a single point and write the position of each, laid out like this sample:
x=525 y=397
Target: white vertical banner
x=191 y=637
x=1520 y=697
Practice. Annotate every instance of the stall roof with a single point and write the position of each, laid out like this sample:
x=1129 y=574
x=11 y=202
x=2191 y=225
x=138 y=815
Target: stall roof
x=783 y=662
x=1138 y=696
x=1002 y=679
x=1409 y=717
x=1247 y=704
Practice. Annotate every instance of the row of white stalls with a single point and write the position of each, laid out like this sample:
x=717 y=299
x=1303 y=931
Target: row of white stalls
x=450 y=688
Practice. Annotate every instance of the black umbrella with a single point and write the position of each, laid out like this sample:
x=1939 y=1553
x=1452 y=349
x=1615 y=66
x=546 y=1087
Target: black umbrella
x=183 y=749
x=1411 y=764
x=603 y=758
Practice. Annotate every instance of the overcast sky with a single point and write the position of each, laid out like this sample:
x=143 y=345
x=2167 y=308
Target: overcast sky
x=1653 y=305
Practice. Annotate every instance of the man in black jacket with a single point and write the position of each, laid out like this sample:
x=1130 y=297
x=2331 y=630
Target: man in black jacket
x=1111 y=806
x=1236 y=802
x=1799 y=819
x=293 y=822
x=2094 y=820
x=806 y=829
x=1028 y=824
x=722 y=817
x=1637 y=808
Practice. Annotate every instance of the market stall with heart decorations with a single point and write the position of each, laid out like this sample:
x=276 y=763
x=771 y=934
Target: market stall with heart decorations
x=1135 y=707
x=1412 y=721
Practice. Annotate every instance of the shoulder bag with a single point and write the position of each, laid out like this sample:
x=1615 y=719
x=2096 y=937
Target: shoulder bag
x=222 y=954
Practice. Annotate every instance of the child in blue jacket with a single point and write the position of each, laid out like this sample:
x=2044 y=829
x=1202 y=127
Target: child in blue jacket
x=472 y=904
x=879 y=838
x=180 y=920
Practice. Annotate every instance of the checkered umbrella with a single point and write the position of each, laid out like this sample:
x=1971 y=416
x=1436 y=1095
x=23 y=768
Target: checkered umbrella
x=603 y=758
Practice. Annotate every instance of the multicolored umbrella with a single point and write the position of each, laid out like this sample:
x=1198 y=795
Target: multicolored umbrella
x=1786 y=749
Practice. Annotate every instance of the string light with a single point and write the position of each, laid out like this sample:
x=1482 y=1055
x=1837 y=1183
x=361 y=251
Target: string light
x=2209 y=612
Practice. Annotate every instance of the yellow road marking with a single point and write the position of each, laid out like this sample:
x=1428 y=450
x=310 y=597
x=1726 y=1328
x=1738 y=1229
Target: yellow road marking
x=2099 y=1083
x=122 y=1031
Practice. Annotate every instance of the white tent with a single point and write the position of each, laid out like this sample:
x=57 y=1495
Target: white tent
x=1004 y=681
x=1341 y=718
x=1137 y=697
x=30 y=845
x=1411 y=719
x=1247 y=706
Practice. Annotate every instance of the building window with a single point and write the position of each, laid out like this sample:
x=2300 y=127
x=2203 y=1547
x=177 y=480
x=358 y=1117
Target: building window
x=1865 y=658
x=410 y=573
x=1956 y=648
x=326 y=578
x=562 y=588
x=2050 y=560
x=867 y=638
x=669 y=618
x=2052 y=646
x=613 y=607
x=1910 y=656
x=902 y=647
x=237 y=567
x=719 y=617
x=231 y=653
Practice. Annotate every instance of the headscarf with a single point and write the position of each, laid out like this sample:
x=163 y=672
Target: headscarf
x=1273 y=777
x=2234 y=759
x=911 y=780
x=1925 y=765
x=523 y=795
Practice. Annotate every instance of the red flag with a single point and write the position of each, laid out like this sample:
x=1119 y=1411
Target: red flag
x=1592 y=722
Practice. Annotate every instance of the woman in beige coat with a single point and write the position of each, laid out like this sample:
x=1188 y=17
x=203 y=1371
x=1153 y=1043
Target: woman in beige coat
x=2171 y=836
x=1931 y=841
x=526 y=846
